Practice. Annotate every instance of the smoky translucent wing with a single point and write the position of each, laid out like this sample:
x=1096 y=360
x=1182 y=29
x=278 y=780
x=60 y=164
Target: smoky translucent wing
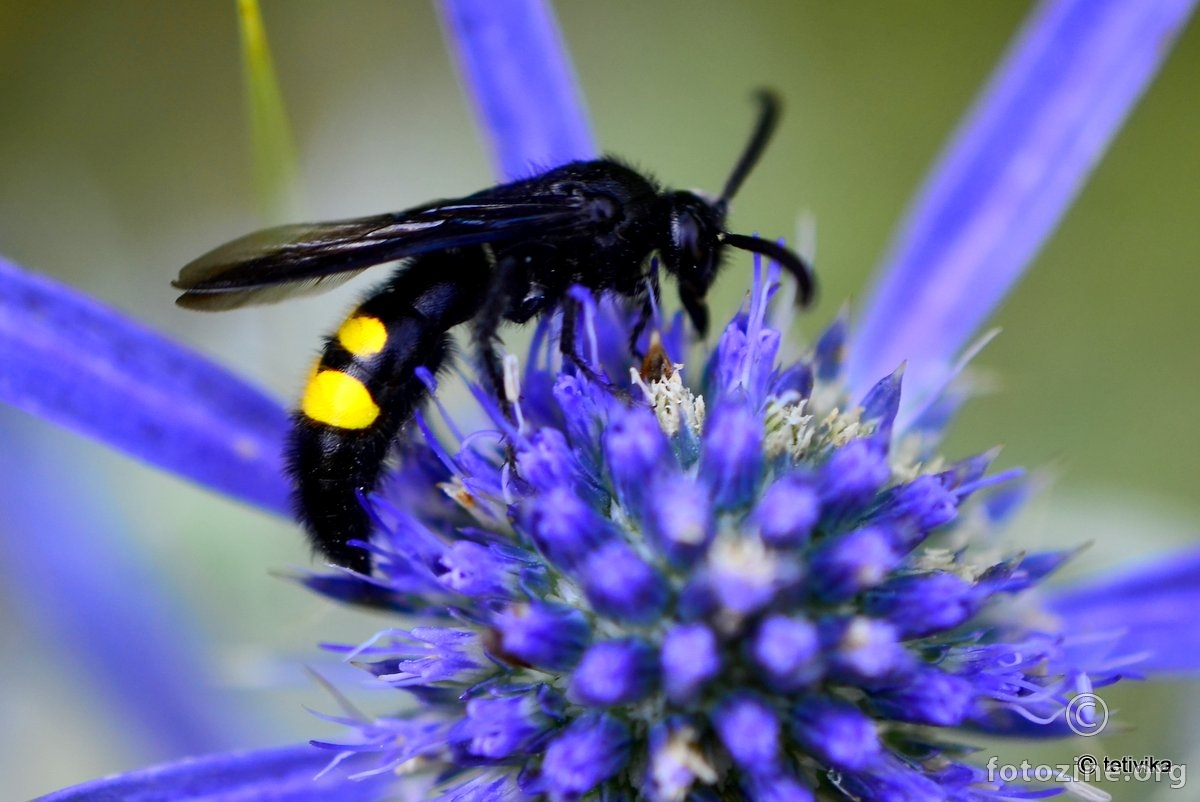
x=291 y=260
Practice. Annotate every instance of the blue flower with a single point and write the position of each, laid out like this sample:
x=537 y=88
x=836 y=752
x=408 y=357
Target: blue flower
x=659 y=600
x=762 y=582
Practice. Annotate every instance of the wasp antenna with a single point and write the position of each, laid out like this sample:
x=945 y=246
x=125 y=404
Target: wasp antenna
x=768 y=116
x=789 y=260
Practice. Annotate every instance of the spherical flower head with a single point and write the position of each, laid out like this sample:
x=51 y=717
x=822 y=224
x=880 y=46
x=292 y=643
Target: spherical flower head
x=644 y=589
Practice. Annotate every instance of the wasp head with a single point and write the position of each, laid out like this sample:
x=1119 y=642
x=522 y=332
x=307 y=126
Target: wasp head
x=696 y=236
x=692 y=250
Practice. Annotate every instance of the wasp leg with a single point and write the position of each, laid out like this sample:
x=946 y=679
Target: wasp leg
x=568 y=349
x=484 y=338
x=647 y=299
x=566 y=341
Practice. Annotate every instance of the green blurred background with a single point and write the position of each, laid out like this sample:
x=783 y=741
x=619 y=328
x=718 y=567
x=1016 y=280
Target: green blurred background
x=124 y=152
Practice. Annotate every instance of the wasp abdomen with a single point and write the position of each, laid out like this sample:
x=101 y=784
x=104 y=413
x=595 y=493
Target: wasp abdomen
x=362 y=391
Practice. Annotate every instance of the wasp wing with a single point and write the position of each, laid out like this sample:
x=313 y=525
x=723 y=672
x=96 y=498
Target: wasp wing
x=291 y=260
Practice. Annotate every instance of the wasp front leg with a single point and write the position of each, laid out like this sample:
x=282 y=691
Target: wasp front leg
x=567 y=344
x=647 y=299
x=570 y=353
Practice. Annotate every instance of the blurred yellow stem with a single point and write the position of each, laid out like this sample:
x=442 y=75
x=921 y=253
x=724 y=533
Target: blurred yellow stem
x=273 y=151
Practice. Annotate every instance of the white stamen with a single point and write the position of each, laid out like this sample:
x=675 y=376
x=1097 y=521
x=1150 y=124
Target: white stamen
x=512 y=387
x=672 y=401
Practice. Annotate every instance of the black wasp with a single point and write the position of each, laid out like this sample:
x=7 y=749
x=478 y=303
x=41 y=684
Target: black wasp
x=508 y=253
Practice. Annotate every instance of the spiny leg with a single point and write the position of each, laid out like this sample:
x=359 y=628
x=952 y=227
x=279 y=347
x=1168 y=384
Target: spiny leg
x=484 y=339
x=570 y=352
x=566 y=340
x=647 y=298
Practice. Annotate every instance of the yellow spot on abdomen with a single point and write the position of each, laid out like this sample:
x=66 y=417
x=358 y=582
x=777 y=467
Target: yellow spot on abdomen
x=362 y=335
x=340 y=400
